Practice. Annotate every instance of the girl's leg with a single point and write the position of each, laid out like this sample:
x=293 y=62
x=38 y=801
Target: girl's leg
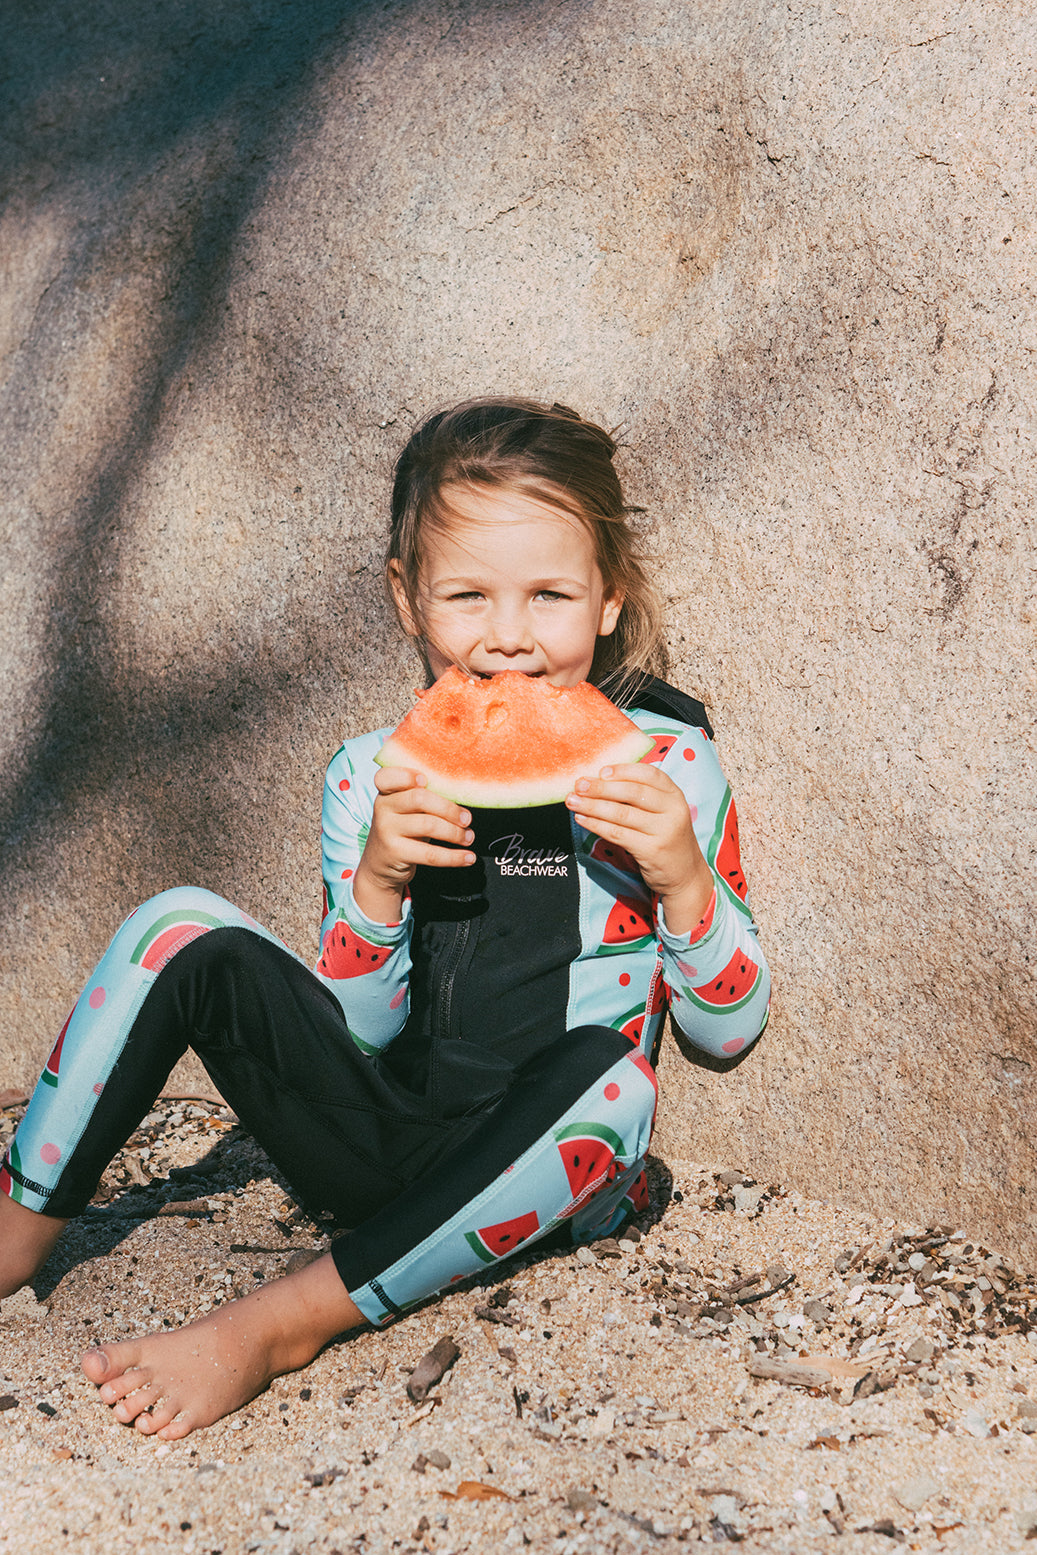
x=40 y=1187
x=564 y=1148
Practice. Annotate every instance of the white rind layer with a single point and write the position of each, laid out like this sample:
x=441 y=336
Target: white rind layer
x=516 y=796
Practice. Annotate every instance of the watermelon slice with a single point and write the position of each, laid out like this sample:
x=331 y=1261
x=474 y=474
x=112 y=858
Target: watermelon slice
x=171 y=933
x=588 y=1152
x=50 y=1074
x=632 y=1023
x=510 y=741
x=722 y=854
x=344 y=953
x=627 y=924
x=612 y=853
x=732 y=988
x=727 y=861
x=663 y=741
x=493 y=1242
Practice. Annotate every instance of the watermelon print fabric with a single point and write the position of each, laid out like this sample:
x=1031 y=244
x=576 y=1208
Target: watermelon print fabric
x=574 y=1161
x=94 y=1035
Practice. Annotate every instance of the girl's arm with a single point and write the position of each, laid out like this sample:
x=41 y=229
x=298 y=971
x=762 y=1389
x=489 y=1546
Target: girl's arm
x=378 y=826
x=677 y=820
x=363 y=961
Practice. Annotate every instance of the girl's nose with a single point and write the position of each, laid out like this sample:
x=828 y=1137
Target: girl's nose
x=508 y=631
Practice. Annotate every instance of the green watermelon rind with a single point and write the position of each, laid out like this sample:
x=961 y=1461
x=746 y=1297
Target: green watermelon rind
x=368 y=932
x=478 y=1249
x=631 y=1014
x=625 y=946
x=588 y=1130
x=712 y=849
x=365 y=1047
x=15 y=1189
x=170 y=920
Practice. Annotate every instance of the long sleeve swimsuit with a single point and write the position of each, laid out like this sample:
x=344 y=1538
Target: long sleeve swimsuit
x=452 y=1086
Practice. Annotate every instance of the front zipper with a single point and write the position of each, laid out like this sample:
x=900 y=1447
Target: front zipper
x=442 y=1009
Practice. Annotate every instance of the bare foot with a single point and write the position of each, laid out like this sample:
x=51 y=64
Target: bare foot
x=26 y=1242
x=170 y=1384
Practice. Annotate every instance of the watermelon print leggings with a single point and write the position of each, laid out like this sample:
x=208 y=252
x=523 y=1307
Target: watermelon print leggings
x=432 y=1197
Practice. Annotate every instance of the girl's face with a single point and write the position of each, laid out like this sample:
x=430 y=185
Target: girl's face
x=510 y=583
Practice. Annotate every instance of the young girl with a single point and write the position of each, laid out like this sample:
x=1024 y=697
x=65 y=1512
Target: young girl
x=469 y=1067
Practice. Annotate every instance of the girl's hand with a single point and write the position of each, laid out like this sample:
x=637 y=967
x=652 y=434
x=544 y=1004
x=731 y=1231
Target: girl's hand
x=644 y=811
x=410 y=827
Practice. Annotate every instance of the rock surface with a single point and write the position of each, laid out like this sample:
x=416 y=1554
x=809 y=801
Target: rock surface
x=790 y=249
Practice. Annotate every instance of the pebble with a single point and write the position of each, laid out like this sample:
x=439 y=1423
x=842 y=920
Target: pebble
x=914 y=1493
x=747 y=1200
x=585 y=1256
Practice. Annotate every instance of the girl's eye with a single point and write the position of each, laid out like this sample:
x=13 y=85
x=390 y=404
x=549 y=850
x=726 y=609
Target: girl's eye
x=470 y=594
x=551 y=595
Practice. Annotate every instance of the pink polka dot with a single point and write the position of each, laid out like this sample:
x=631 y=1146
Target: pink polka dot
x=99 y=1087
x=735 y=1045
x=97 y=998
x=624 y=978
x=346 y=874
x=343 y=784
x=693 y=811
x=397 y=999
x=50 y=1154
x=689 y=755
x=611 y=1091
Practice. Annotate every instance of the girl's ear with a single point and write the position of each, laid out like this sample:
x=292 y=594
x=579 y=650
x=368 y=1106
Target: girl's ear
x=400 y=600
x=611 y=606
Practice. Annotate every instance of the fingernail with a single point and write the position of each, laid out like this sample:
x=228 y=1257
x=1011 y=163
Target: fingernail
x=582 y=786
x=469 y=836
x=465 y=818
x=105 y=1363
x=606 y=772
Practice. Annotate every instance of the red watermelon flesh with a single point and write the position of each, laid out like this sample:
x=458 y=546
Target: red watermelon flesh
x=612 y=853
x=732 y=987
x=492 y=1242
x=345 y=954
x=588 y=1152
x=637 y=1196
x=512 y=740
x=728 y=862
x=626 y=923
x=633 y=1024
x=662 y=744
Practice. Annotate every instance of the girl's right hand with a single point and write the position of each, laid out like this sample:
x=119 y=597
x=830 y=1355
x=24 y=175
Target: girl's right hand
x=409 y=827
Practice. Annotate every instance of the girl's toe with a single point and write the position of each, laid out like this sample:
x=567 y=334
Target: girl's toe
x=159 y=1416
x=176 y=1430
x=120 y=1387
x=130 y=1407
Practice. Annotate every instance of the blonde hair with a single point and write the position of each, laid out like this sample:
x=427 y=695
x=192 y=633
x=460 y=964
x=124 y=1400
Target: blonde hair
x=550 y=453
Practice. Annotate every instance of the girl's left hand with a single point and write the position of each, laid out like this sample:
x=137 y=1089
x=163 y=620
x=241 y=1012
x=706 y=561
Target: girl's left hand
x=642 y=810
